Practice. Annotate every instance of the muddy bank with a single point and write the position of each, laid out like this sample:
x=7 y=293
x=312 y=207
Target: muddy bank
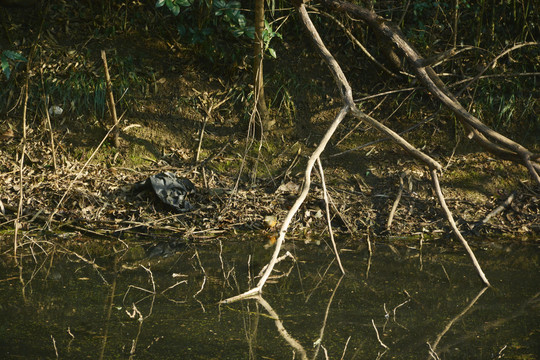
x=100 y=200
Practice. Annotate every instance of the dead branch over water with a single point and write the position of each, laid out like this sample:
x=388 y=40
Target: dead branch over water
x=84 y=197
x=490 y=139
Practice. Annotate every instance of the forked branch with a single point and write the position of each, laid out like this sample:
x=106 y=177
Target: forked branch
x=348 y=107
x=488 y=138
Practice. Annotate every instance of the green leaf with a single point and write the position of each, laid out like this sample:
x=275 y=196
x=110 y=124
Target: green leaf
x=13 y=55
x=182 y=30
x=220 y=4
x=250 y=32
x=5 y=65
x=272 y=53
x=241 y=21
x=160 y=3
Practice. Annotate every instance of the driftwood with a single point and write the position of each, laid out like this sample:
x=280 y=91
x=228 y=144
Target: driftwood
x=488 y=138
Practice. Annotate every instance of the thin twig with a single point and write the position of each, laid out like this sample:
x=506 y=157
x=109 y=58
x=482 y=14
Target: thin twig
x=396 y=203
x=49 y=125
x=112 y=104
x=496 y=211
x=455 y=229
x=353 y=39
x=329 y=222
x=21 y=164
x=49 y=221
x=378 y=337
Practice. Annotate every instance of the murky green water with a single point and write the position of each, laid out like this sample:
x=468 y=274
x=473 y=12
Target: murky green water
x=421 y=303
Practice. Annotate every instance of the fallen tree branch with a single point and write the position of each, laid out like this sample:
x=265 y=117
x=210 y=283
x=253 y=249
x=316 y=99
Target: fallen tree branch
x=455 y=229
x=496 y=211
x=294 y=208
x=353 y=39
x=329 y=222
x=488 y=138
x=349 y=106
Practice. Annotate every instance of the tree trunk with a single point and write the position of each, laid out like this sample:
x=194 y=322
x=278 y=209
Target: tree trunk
x=258 y=80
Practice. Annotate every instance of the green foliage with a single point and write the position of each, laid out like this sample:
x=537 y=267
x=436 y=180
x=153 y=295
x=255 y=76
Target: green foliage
x=219 y=27
x=267 y=35
x=508 y=106
x=81 y=87
x=5 y=58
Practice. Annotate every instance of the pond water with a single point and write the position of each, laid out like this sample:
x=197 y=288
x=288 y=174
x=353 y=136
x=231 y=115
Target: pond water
x=402 y=302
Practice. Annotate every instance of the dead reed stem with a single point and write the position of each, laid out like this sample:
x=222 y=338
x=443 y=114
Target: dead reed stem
x=110 y=95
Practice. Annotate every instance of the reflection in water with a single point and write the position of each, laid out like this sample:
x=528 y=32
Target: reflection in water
x=418 y=305
x=433 y=347
x=281 y=329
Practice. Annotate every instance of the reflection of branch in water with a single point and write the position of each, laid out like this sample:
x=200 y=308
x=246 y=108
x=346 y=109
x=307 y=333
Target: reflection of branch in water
x=433 y=348
x=344 y=349
x=110 y=302
x=328 y=220
x=320 y=280
x=533 y=301
x=398 y=306
x=378 y=337
x=204 y=272
x=175 y=275
x=278 y=260
x=251 y=328
x=282 y=331
x=136 y=313
x=225 y=274
x=203 y=283
x=321 y=334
